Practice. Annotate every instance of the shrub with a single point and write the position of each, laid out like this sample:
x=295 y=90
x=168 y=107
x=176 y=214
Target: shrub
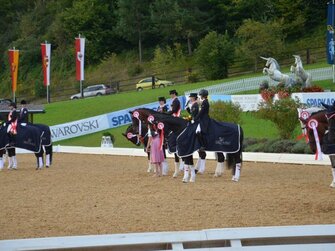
x=214 y=55
x=283 y=113
x=135 y=70
x=192 y=77
x=226 y=111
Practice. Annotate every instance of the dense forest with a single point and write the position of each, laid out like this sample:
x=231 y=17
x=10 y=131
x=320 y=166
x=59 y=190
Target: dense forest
x=151 y=34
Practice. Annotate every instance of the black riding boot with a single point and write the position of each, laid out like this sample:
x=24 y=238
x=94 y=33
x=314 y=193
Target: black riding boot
x=201 y=141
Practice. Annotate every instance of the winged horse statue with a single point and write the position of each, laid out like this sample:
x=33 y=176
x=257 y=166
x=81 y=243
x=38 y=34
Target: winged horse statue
x=303 y=77
x=272 y=69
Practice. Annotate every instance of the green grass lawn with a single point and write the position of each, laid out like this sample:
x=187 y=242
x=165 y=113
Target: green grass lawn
x=66 y=111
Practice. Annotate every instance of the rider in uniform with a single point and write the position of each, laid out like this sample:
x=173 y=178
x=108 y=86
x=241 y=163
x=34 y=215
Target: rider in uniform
x=162 y=105
x=175 y=105
x=23 y=115
x=203 y=118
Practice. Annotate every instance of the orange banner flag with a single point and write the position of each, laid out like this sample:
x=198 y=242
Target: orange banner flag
x=14 y=67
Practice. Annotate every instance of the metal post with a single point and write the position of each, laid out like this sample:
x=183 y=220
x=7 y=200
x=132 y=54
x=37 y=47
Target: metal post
x=81 y=89
x=48 y=96
x=333 y=39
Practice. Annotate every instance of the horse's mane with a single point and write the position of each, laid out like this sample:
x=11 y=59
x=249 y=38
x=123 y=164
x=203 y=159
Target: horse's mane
x=276 y=63
x=317 y=112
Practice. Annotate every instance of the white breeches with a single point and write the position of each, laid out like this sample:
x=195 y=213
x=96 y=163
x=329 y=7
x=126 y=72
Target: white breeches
x=198 y=129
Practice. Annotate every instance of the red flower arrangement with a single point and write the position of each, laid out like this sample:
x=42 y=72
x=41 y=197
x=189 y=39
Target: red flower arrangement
x=268 y=94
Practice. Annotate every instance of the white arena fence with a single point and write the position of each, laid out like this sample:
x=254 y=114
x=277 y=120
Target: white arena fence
x=288 y=238
x=289 y=158
x=253 y=83
x=304 y=159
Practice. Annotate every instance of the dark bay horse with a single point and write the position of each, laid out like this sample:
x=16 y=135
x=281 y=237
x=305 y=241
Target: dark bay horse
x=173 y=127
x=320 y=131
x=32 y=137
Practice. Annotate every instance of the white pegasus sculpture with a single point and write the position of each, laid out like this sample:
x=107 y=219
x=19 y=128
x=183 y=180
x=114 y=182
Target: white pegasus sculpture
x=303 y=77
x=272 y=69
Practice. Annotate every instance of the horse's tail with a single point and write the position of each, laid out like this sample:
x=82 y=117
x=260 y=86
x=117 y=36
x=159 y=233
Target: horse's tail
x=234 y=158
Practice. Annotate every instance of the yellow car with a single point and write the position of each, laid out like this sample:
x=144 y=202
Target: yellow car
x=146 y=83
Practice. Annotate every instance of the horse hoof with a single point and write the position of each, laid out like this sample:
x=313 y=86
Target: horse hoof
x=235 y=179
x=175 y=175
x=332 y=185
x=185 y=181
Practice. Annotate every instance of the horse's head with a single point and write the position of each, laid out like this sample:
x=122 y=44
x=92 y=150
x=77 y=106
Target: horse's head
x=271 y=63
x=131 y=134
x=297 y=60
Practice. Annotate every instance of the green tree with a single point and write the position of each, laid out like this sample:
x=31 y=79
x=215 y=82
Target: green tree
x=214 y=55
x=259 y=39
x=180 y=19
x=134 y=22
x=96 y=25
x=283 y=113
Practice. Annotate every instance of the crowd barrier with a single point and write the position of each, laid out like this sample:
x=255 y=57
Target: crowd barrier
x=304 y=159
x=288 y=238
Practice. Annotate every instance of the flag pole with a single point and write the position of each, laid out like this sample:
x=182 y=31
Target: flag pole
x=333 y=39
x=12 y=84
x=81 y=84
x=48 y=94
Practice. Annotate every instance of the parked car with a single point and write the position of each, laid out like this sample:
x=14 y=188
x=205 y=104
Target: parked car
x=95 y=90
x=146 y=83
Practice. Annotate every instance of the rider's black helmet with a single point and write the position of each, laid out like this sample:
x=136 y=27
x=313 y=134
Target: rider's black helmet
x=203 y=93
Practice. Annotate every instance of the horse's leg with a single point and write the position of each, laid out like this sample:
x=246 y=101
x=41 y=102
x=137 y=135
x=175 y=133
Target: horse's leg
x=332 y=160
x=39 y=159
x=220 y=164
x=165 y=166
x=191 y=165
x=150 y=168
x=186 y=170
x=177 y=167
x=48 y=156
x=12 y=162
x=1 y=159
x=201 y=163
x=238 y=160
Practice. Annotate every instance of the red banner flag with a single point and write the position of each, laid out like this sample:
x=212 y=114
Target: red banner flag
x=46 y=60
x=13 y=56
x=80 y=53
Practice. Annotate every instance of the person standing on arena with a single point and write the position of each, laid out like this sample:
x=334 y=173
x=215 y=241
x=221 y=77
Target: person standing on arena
x=154 y=147
x=12 y=124
x=175 y=110
x=163 y=109
x=203 y=118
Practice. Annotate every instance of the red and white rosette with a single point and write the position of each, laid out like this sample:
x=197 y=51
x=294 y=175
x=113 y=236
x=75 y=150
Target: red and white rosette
x=130 y=135
x=136 y=114
x=160 y=126
x=304 y=115
x=151 y=119
x=313 y=124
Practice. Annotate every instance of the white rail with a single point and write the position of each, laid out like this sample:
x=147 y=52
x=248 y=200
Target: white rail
x=254 y=82
x=305 y=159
x=288 y=238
